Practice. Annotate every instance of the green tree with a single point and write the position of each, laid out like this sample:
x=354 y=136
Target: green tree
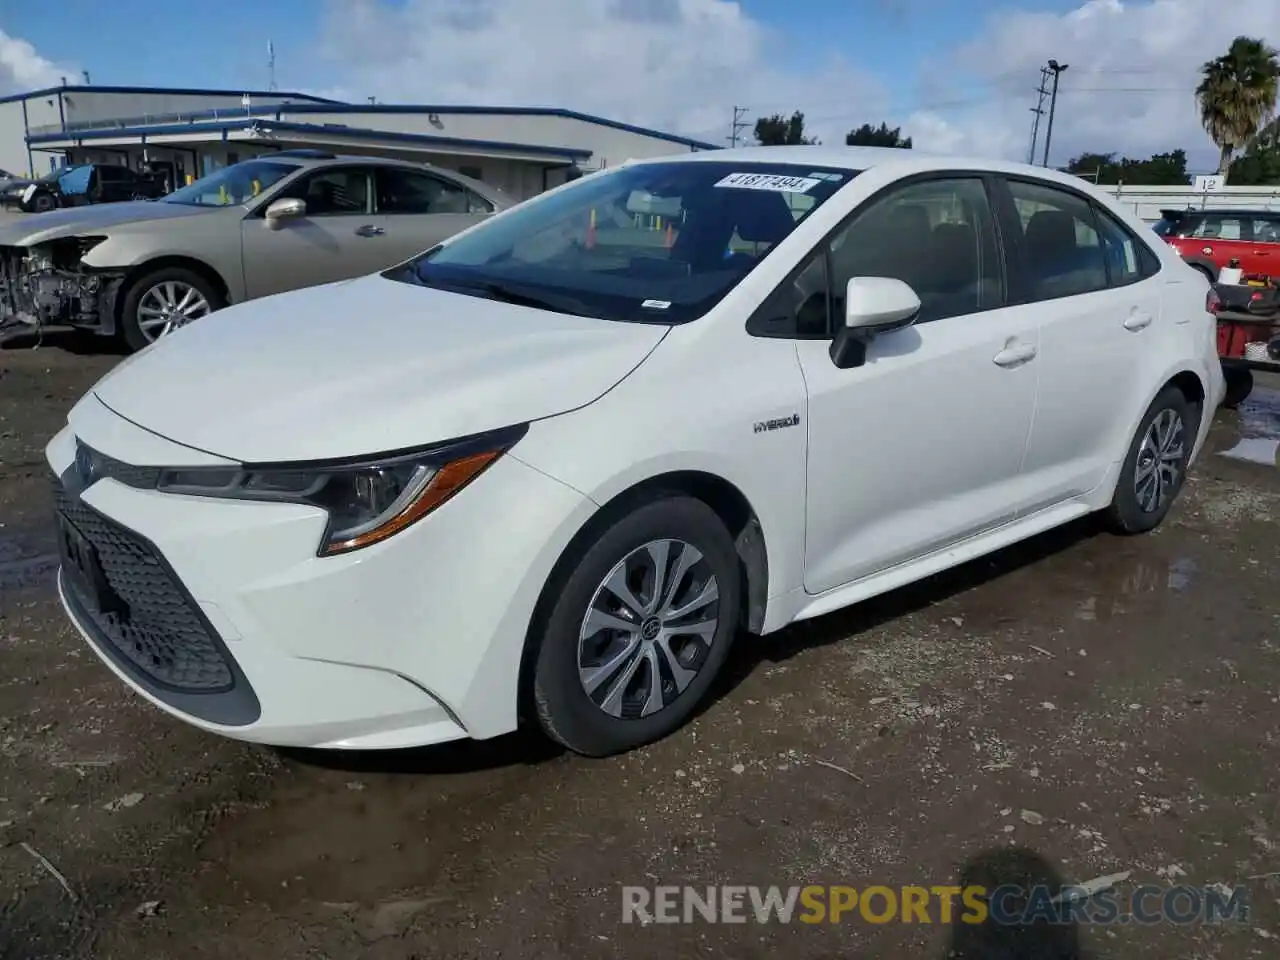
x=1259 y=165
x=1236 y=96
x=881 y=136
x=780 y=131
x=1162 y=169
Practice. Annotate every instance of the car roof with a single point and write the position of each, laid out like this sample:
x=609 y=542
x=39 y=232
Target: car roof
x=861 y=159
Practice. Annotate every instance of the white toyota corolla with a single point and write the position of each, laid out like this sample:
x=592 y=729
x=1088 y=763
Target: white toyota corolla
x=550 y=468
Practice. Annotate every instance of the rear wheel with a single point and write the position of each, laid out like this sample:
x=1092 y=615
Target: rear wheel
x=1239 y=381
x=1156 y=465
x=43 y=202
x=162 y=301
x=640 y=628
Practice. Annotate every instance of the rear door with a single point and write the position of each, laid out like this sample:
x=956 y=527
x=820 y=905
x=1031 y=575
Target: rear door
x=419 y=209
x=1266 y=243
x=339 y=237
x=1096 y=291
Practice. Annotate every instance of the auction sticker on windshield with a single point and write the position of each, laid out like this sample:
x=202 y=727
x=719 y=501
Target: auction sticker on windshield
x=769 y=181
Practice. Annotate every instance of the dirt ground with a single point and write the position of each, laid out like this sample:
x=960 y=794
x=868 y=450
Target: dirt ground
x=1101 y=704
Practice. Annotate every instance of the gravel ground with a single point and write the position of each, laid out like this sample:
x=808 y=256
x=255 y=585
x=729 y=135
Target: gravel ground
x=1081 y=705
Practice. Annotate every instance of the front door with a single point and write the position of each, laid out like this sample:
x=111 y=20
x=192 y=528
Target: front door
x=340 y=236
x=921 y=446
x=421 y=209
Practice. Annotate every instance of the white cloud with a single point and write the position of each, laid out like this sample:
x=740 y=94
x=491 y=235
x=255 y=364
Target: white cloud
x=1132 y=71
x=679 y=65
x=23 y=68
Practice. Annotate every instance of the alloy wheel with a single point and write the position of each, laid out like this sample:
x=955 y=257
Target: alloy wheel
x=648 y=629
x=1159 y=465
x=169 y=305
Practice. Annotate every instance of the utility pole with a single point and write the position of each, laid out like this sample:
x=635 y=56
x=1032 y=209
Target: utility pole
x=271 y=65
x=1038 y=110
x=738 y=125
x=1057 y=69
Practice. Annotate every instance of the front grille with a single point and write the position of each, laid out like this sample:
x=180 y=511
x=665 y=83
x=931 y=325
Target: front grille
x=157 y=628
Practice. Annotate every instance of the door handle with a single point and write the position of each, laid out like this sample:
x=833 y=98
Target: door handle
x=1015 y=353
x=369 y=230
x=1137 y=320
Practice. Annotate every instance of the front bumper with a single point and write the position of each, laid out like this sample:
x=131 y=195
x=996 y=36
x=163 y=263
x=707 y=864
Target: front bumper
x=238 y=628
x=35 y=292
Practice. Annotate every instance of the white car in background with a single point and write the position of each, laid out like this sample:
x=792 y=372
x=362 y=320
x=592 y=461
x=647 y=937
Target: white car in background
x=551 y=468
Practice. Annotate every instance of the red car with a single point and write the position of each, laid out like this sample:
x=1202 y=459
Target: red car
x=1210 y=239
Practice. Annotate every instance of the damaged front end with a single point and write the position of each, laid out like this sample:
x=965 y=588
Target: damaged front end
x=49 y=285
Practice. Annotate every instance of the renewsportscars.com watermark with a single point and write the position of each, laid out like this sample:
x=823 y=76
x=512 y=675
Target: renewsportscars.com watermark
x=1012 y=905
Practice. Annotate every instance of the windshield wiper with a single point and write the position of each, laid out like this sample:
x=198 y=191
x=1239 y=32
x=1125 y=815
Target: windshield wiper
x=509 y=294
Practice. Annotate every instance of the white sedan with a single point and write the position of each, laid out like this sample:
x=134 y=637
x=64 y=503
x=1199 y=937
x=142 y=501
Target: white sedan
x=551 y=469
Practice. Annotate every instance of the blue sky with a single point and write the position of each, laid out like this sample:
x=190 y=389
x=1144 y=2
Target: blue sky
x=959 y=76
x=202 y=44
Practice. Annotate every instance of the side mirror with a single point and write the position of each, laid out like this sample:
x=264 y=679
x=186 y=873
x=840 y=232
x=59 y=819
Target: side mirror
x=284 y=209
x=872 y=306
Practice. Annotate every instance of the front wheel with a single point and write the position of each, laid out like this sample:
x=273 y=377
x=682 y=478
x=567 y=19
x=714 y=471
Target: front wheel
x=639 y=629
x=1156 y=465
x=162 y=301
x=43 y=202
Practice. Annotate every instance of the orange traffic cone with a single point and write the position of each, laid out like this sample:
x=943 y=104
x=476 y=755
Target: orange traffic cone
x=670 y=238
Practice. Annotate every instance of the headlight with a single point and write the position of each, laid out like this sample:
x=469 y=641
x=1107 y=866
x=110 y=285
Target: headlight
x=367 y=501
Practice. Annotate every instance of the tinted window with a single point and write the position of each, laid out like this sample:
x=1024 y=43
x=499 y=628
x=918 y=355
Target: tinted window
x=1215 y=226
x=938 y=236
x=334 y=192
x=114 y=174
x=1128 y=259
x=404 y=191
x=651 y=242
x=1064 y=254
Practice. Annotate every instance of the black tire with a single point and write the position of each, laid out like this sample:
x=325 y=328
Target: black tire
x=1127 y=514
x=1239 y=382
x=43 y=202
x=129 y=328
x=564 y=710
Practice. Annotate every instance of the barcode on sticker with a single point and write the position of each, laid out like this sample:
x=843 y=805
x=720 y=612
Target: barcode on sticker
x=769 y=181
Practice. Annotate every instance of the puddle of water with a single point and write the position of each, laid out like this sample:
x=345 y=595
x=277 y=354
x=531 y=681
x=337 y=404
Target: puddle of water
x=1259 y=426
x=1142 y=578
x=21 y=566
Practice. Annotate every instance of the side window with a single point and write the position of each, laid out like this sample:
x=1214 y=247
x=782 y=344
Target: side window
x=1128 y=259
x=1266 y=229
x=341 y=191
x=1217 y=227
x=1064 y=254
x=938 y=236
x=404 y=191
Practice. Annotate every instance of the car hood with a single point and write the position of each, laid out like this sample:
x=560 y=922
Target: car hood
x=367 y=366
x=75 y=221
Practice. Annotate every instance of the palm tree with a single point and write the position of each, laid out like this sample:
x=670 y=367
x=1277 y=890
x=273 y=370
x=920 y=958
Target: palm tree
x=1237 y=95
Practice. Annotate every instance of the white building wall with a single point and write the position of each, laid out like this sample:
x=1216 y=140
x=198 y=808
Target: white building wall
x=13 y=143
x=1147 y=202
x=609 y=145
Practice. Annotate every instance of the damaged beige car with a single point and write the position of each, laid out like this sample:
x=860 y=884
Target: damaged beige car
x=279 y=222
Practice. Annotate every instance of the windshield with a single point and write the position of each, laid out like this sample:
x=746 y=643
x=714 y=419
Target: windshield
x=236 y=184
x=650 y=243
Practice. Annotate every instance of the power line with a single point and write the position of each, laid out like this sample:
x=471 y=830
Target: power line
x=738 y=125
